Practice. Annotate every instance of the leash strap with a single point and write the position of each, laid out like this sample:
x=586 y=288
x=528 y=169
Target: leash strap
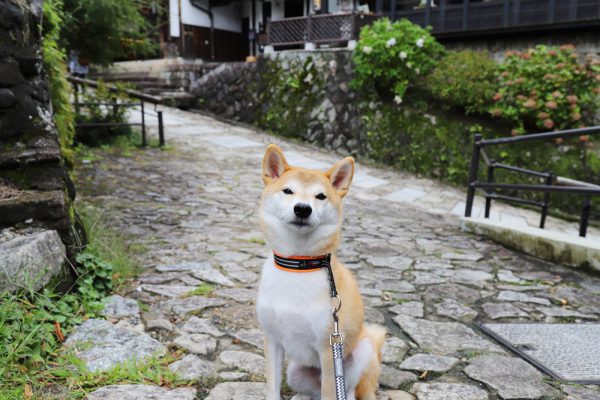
x=336 y=340
x=338 y=365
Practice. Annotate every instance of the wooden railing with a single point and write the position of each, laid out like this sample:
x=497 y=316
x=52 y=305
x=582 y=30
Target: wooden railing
x=323 y=28
x=447 y=18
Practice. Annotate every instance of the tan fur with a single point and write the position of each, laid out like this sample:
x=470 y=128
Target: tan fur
x=352 y=312
x=370 y=380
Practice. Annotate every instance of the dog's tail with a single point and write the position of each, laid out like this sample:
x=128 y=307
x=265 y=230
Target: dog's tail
x=376 y=333
x=367 y=386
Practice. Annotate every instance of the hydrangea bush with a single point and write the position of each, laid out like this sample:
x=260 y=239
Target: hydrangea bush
x=464 y=79
x=546 y=88
x=389 y=56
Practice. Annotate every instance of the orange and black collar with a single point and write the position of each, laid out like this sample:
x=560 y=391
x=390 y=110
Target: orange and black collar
x=301 y=263
x=308 y=264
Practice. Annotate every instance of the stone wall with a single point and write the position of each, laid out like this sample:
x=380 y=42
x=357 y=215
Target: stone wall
x=35 y=189
x=237 y=91
x=335 y=121
x=225 y=91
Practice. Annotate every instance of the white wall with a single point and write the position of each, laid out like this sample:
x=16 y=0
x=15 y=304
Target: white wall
x=228 y=18
x=174 y=27
x=277 y=8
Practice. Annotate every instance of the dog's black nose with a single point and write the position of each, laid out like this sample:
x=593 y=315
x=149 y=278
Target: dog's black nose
x=302 y=210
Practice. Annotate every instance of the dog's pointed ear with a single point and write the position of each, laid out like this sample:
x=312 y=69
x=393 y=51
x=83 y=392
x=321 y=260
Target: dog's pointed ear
x=341 y=175
x=274 y=164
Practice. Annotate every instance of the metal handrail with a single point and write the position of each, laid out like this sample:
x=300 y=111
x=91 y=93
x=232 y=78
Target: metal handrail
x=553 y=184
x=143 y=97
x=130 y=92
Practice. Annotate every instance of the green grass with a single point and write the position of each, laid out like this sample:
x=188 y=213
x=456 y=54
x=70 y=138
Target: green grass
x=205 y=289
x=81 y=382
x=256 y=240
x=30 y=323
x=34 y=324
x=109 y=245
x=69 y=373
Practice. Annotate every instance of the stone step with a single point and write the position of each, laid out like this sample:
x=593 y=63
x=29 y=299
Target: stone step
x=33 y=205
x=129 y=77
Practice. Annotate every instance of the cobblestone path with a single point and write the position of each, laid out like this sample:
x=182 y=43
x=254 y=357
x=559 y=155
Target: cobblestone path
x=194 y=209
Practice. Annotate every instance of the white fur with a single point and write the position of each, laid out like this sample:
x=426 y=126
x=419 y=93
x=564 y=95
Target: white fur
x=302 y=379
x=293 y=310
x=277 y=212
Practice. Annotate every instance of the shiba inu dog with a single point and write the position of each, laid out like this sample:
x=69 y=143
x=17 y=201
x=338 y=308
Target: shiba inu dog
x=301 y=217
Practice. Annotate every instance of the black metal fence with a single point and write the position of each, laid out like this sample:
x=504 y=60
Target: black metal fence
x=552 y=183
x=115 y=105
x=321 y=29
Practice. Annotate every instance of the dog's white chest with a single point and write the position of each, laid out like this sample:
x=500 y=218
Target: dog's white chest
x=294 y=310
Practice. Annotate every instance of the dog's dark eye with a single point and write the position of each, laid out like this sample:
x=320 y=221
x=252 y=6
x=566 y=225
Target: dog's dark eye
x=321 y=196
x=288 y=191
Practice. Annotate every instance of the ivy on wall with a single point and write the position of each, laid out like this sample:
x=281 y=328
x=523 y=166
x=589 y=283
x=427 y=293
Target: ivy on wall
x=60 y=89
x=286 y=95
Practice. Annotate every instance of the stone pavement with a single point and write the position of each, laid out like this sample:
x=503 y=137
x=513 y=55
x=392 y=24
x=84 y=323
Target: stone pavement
x=193 y=207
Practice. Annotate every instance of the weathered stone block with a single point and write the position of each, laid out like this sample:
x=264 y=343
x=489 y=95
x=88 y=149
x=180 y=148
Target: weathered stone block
x=36 y=205
x=141 y=392
x=7 y=98
x=10 y=75
x=102 y=345
x=30 y=260
x=30 y=154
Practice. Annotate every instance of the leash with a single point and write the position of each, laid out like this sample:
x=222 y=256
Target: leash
x=336 y=340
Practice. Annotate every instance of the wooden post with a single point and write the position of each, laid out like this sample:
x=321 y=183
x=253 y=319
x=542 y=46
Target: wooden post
x=585 y=215
x=427 y=12
x=549 y=181
x=465 y=16
x=551 y=10
x=253 y=29
x=516 y=12
x=489 y=192
x=379 y=6
x=161 y=129
x=473 y=174
x=392 y=10
x=143 y=124
x=572 y=10
x=442 y=16
x=506 y=13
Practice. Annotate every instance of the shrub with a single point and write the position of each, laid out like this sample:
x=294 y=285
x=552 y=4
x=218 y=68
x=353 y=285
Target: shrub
x=464 y=79
x=414 y=140
x=389 y=56
x=546 y=88
x=104 y=31
x=102 y=106
x=433 y=143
